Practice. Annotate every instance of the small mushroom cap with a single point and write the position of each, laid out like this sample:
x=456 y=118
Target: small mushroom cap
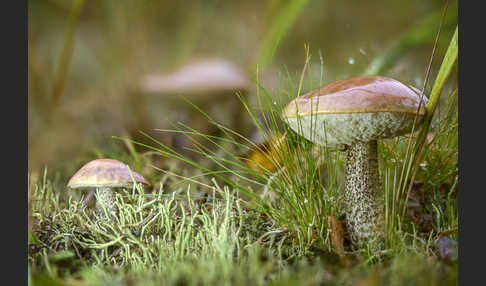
x=198 y=77
x=356 y=109
x=105 y=173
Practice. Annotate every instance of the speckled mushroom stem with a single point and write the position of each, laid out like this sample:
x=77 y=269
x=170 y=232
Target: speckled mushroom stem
x=107 y=197
x=361 y=188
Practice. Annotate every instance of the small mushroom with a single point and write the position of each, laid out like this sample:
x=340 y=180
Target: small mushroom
x=354 y=113
x=104 y=175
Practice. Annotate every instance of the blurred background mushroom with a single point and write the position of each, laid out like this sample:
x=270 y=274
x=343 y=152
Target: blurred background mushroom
x=87 y=58
x=212 y=84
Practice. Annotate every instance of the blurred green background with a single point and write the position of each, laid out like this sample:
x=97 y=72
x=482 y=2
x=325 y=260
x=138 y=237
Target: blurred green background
x=86 y=58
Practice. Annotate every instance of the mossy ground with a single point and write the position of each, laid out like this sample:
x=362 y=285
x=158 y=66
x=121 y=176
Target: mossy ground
x=186 y=233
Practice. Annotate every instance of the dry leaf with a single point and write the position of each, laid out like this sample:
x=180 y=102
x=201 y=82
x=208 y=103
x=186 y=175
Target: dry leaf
x=337 y=235
x=267 y=156
x=447 y=232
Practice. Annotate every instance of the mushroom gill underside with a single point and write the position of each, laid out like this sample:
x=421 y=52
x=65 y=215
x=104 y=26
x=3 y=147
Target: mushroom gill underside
x=346 y=129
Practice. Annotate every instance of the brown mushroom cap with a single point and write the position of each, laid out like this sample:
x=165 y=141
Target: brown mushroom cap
x=105 y=173
x=356 y=109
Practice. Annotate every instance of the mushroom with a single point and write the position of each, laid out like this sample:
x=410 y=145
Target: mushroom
x=354 y=113
x=210 y=84
x=105 y=175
